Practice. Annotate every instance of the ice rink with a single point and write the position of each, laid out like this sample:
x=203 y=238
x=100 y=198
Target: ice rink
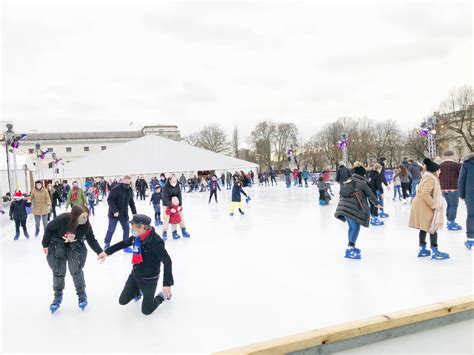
x=276 y=271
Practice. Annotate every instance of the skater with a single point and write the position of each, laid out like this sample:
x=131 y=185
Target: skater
x=174 y=212
x=324 y=189
x=63 y=243
x=75 y=196
x=448 y=179
x=375 y=184
x=343 y=173
x=141 y=186
x=41 y=205
x=156 y=201
x=466 y=193
x=404 y=176
x=397 y=184
x=213 y=187
x=353 y=207
x=148 y=254
x=91 y=196
x=272 y=176
x=426 y=213
x=415 y=174
x=171 y=190
x=162 y=181
x=228 y=180
x=237 y=191
x=66 y=189
x=120 y=198
x=295 y=176
x=55 y=200
x=305 y=175
x=182 y=182
x=19 y=215
x=287 y=173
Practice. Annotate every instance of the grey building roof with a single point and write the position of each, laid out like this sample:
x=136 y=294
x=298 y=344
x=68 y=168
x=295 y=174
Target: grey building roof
x=84 y=135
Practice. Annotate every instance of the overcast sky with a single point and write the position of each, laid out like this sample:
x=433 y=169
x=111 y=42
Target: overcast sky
x=89 y=67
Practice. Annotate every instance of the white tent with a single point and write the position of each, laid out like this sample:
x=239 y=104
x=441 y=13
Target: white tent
x=150 y=155
x=23 y=167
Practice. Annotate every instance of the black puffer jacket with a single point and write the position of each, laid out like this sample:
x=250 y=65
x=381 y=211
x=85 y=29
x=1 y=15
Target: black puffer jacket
x=356 y=208
x=170 y=191
x=18 y=210
x=342 y=174
x=119 y=199
x=375 y=181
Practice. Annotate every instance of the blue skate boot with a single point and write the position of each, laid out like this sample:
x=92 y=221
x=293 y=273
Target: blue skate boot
x=423 y=251
x=352 y=253
x=138 y=297
x=453 y=226
x=185 y=233
x=469 y=243
x=376 y=222
x=176 y=235
x=382 y=214
x=58 y=298
x=164 y=236
x=82 y=300
x=16 y=236
x=438 y=255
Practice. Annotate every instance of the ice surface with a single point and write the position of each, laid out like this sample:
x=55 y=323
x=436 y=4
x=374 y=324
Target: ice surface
x=276 y=271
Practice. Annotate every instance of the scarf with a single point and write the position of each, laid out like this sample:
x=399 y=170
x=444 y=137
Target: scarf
x=74 y=193
x=137 y=257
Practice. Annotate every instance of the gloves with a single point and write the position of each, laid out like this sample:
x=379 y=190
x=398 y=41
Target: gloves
x=248 y=199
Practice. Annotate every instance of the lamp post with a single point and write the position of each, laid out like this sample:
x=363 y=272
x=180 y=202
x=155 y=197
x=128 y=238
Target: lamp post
x=9 y=133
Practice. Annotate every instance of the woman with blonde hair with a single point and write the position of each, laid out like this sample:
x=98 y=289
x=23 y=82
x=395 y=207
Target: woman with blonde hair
x=426 y=213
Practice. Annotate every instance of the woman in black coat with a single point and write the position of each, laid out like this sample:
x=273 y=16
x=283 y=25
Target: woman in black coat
x=63 y=243
x=353 y=207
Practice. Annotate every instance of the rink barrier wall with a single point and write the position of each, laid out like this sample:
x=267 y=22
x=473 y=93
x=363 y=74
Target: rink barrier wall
x=362 y=332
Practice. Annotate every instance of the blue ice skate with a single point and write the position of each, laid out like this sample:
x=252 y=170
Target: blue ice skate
x=82 y=300
x=453 y=226
x=176 y=235
x=185 y=233
x=423 y=251
x=382 y=214
x=352 y=253
x=165 y=235
x=469 y=243
x=56 y=303
x=374 y=221
x=438 y=255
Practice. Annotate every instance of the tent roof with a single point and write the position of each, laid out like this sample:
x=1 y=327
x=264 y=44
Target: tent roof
x=150 y=155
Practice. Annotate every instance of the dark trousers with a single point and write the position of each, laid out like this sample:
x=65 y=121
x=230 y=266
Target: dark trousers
x=142 y=194
x=433 y=239
x=322 y=195
x=147 y=286
x=213 y=192
x=111 y=229
x=470 y=218
x=406 y=189
x=23 y=226
x=272 y=179
x=452 y=198
x=157 y=209
x=91 y=207
x=75 y=257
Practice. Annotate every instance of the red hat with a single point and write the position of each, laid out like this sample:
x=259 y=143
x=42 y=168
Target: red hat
x=18 y=194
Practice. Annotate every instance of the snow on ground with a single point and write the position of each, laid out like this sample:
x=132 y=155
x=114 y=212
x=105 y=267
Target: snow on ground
x=276 y=271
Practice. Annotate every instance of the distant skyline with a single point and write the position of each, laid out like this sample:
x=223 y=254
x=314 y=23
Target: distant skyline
x=93 y=67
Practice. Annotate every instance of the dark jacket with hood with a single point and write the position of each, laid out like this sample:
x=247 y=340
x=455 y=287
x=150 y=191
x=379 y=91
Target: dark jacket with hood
x=237 y=191
x=356 y=207
x=466 y=180
x=342 y=174
x=375 y=181
x=18 y=209
x=170 y=191
x=153 y=253
x=119 y=199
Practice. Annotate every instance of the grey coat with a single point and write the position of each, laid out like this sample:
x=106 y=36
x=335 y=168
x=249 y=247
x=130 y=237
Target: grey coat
x=356 y=208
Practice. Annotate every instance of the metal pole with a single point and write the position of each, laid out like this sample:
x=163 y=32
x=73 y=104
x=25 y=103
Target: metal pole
x=10 y=187
x=15 y=176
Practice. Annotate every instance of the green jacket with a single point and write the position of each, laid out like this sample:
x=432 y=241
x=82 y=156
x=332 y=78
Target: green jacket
x=80 y=200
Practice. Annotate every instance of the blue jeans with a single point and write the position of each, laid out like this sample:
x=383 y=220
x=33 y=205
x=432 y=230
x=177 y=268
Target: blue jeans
x=91 y=207
x=452 y=198
x=157 y=209
x=397 y=190
x=380 y=199
x=470 y=219
x=414 y=184
x=111 y=229
x=288 y=181
x=354 y=229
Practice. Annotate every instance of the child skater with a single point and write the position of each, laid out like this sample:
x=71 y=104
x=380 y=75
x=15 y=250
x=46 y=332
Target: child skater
x=148 y=254
x=19 y=215
x=175 y=216
x=324 y=189
x=213 y=187
x=156 y=201
x=237 y=191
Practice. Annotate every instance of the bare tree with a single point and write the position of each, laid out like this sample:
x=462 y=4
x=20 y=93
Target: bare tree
x=286 y=135
x=235 y=142
x=414 y=145
x=457 y=114
x=261 y=139
x=211 y=137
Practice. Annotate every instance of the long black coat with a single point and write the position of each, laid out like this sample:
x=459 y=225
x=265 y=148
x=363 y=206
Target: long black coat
x=350 y=207
x=119 y=199
x=170 y=191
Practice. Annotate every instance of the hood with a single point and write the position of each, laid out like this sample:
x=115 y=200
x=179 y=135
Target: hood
x=469 y=158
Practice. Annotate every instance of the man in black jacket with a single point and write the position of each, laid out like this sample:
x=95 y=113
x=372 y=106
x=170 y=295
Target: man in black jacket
x=148 y=254
x=343 y=173
x=170 y=190
x=120 y=198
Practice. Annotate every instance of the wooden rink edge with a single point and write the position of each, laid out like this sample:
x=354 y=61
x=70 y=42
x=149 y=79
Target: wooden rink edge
x=353 y=329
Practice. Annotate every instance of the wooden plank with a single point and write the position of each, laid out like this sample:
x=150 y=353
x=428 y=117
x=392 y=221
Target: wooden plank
x=353 y=329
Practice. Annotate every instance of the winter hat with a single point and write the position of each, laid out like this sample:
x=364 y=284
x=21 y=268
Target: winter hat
x=448 y=153
x=377 y=167
x=18 y=195
x=359 y=168
x=430 y=165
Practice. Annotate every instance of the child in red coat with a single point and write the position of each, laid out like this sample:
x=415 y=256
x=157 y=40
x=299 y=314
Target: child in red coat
x=175 y=218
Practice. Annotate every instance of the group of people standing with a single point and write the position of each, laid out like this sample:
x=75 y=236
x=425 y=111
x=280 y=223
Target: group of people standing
x=361 y=197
